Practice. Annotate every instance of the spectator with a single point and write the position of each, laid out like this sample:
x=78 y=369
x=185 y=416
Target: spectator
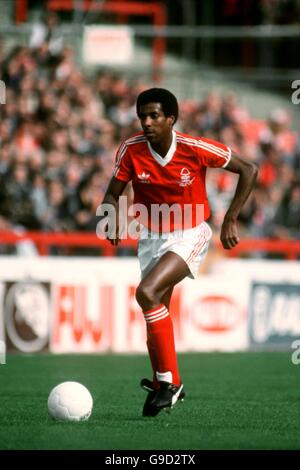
x=287 y=219
x=47 y=32
x=59 y=132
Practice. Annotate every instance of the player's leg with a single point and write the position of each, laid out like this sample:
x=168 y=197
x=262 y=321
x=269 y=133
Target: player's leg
x=166 y=299
x=149 y=385
x=182 y=257
x=155 y=289
x=147 y=253
x=156 y=285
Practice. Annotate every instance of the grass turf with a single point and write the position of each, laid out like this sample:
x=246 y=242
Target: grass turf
x=234 y=401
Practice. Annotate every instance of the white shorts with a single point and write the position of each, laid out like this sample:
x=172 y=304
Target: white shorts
x=191 y=245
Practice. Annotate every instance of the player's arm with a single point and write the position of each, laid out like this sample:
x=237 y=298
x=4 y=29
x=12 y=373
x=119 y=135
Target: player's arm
x=114 y=191
x=111 y=198
x=247 y=172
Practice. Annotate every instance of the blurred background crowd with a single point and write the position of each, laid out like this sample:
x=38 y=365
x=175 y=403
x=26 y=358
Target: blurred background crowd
x=60 y=129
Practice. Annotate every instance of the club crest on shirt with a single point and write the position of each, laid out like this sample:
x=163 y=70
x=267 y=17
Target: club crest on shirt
x=144 y=178
x=185 y=177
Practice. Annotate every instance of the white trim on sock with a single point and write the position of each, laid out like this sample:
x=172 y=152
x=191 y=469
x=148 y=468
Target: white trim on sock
x=159 y=317
x=155 y=312
x=156 y=315
x=164 y=377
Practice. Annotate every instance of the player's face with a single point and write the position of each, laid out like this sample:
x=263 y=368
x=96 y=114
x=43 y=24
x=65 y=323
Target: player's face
x=156 y=126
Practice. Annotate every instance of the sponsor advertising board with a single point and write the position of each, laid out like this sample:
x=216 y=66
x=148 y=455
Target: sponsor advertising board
x=2 y=331
x=214 y=313
x=108 y=45
x=88 y=305
x=27 y=313
x=274 y=300
x=274 y=315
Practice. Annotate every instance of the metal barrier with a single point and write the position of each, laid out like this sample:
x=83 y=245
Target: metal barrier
x=155 y=10
x=289 y=249
x=254 y=62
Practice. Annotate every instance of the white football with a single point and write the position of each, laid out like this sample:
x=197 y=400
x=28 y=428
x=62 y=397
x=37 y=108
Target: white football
x=70 y=401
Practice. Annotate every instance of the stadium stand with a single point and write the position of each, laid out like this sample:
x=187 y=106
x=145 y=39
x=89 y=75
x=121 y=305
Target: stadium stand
x=60 y=129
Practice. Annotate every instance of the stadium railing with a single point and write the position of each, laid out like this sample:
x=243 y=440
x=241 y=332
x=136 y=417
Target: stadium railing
x=287 y=249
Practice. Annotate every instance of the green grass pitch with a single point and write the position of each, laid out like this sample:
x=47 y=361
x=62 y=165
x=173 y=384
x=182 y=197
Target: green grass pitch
x=234 y=401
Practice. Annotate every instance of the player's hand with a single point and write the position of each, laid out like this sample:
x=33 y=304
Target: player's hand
x=229 y=234
x=113 y=237
x=114 y=241
x=113 y=228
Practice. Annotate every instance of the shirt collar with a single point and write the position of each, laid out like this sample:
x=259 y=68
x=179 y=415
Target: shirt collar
x=163 y=161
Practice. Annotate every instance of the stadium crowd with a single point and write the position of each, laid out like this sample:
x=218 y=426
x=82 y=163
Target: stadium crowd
x=60 y=129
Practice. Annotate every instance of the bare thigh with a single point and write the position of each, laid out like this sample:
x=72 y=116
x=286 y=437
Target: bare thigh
x=157 y=285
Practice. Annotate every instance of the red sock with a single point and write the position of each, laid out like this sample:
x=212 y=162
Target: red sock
x=161 y=341
x=154 y=362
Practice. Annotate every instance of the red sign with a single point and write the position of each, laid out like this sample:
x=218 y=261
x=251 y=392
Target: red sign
x=216 y=314
x=74 y=323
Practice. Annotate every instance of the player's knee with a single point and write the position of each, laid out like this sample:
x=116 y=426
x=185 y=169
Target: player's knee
x=145 y=296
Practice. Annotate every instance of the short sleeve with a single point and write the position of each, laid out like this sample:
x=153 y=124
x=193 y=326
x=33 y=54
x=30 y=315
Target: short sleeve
x=213 y=154
x=123 y=165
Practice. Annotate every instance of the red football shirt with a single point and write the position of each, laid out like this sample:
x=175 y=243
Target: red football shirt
x=178 y=178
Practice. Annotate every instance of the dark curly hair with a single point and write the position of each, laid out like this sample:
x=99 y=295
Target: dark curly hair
x=167 y=100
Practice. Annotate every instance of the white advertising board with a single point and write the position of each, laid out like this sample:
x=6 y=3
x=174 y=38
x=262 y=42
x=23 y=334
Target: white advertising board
x=89 y=305
x=274 y=300
x=108 y=45
x=2 y=334
x=214 y=314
